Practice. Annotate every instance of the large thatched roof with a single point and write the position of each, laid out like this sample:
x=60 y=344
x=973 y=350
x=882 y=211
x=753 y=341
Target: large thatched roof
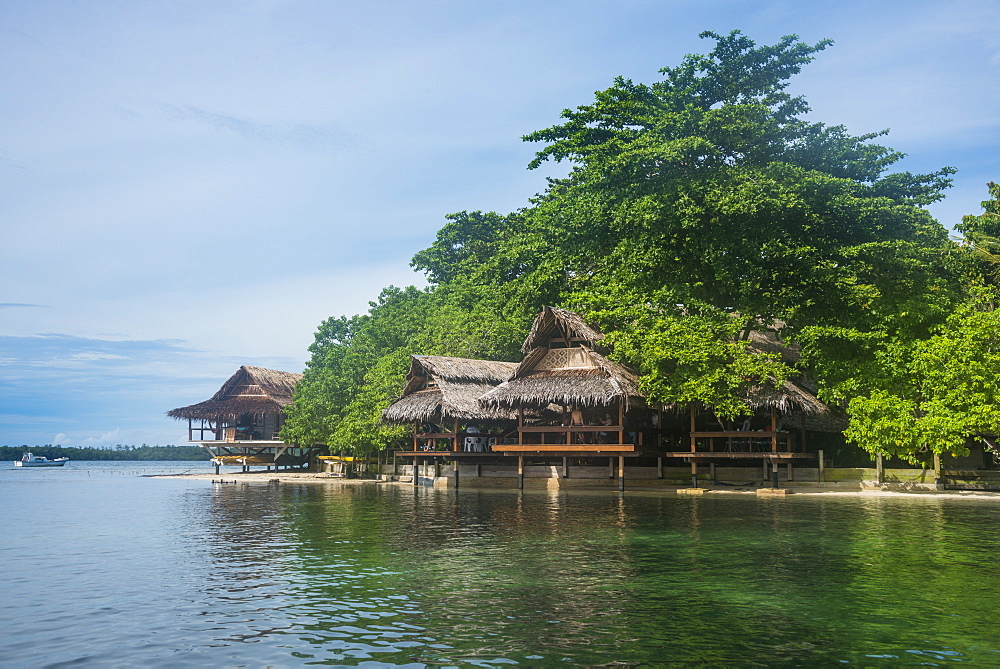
x=555 y=322
x=440 y=387
x=251 y=390
x=596 y=383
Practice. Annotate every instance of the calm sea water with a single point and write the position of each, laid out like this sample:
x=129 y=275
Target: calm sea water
x=102 y=567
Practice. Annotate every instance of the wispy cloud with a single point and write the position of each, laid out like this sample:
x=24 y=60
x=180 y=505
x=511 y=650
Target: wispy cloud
x=20 y=305
x=300 y=135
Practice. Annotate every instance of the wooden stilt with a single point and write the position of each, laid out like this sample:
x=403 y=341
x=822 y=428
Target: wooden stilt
x=774 y=474
x=611 y=467
x=520 y=472
x=711 y=471
x=774 y=428
x=565 y=468
x=621 y=473
x=416 y=471
x=789 y=473
x=456 y=474
x=659 y=468
x=694 y=473
x=692 y=412
x=822 y=466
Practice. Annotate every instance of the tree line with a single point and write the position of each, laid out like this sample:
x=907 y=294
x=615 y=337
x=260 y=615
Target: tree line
x=119 y=452
x=698 y=208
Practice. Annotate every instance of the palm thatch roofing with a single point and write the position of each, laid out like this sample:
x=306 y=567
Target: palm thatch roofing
x=555 y=322
x=440 y=387
x=787 y=398
x=599 y=384
x=251 y=390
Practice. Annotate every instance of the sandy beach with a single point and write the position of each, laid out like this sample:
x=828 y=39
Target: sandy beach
x=798 y=491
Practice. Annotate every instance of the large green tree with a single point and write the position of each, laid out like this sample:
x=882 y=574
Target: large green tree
x=697 y=208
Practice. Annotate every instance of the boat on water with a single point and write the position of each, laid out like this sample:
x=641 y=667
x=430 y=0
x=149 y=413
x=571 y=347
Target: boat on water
x=32 y=460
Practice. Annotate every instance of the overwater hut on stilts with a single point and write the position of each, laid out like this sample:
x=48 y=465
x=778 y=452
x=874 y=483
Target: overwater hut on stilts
x=441 y=400
x=240 y=424
x=571 y=401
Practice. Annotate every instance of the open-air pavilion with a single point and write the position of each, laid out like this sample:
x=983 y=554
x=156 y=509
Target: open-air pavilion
x=240 y=424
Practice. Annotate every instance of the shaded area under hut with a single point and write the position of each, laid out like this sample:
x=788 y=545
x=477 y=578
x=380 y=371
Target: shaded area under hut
x=240 y=424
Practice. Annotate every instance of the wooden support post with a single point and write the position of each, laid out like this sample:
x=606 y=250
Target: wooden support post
x=565 y=467
x=659 y=467
x=395 y=465
x=822 y=466
x=774 y=428
x=520 y=472
x=789 y=473
x=611 y=468
x=621 y=421
x=694 y=473
x=416 y=471
x=621 y=473
x=217 y=466
x=692 y=429
x=879 y=469
x=520 y=424
x=711 y=471
x=456 y=474
x=764 y=475
x=774 y=474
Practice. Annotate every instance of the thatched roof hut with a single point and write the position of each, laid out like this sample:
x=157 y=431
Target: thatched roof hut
x=440 y=387
x=251 y=390
x=577 y=376
x=559 y=325
x=561 y=366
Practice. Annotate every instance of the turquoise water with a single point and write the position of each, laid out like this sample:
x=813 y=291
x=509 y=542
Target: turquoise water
x=105 y=568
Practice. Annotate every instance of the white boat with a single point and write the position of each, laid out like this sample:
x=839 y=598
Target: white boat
x=32 y=460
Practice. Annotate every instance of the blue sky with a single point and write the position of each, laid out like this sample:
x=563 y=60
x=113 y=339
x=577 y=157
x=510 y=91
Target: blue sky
x=188 y=186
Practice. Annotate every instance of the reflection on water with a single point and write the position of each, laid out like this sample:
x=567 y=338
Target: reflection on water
x=287 y=575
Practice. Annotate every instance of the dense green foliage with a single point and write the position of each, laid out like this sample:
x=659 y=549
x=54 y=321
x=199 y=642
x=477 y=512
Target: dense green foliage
x=698 y=208
x=119 y=452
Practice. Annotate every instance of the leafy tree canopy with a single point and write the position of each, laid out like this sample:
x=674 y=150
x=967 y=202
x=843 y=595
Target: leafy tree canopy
x=697 y=208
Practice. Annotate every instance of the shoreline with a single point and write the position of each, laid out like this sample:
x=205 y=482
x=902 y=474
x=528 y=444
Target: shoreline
x=796 y=491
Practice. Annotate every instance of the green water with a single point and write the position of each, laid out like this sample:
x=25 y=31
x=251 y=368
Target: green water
x=153 y=572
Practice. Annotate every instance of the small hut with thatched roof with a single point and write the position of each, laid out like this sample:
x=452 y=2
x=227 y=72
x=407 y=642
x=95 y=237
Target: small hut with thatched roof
x=442 y=393
x=583 y=397
x=241 y=422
